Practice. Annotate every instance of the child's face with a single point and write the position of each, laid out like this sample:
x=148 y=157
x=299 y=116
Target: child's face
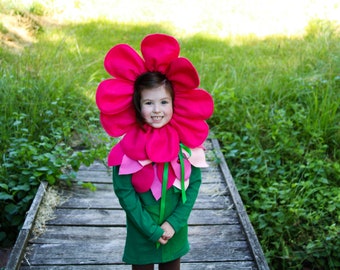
x=156 y=106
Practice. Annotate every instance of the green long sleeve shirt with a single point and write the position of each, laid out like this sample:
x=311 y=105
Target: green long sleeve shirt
x=142 y=220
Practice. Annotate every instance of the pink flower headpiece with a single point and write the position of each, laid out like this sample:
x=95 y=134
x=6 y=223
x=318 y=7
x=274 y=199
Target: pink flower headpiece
x=192 y=106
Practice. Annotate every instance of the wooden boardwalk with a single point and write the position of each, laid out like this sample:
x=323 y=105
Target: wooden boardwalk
x=88 y=230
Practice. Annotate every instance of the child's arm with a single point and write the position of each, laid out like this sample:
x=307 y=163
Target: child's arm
x=180 y=216
x=131 y=204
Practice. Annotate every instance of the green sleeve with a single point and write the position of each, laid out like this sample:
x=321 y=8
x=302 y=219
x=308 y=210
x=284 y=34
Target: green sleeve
x=130 y=202
x=179 y=218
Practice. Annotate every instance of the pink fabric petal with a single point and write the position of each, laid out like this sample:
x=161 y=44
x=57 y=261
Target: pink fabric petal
x=178 y=184
x=129 y=166
x=156 y=187
x=133 y=144
x=114 y=96
x=182 y=74
x=144 y=162
x=142 y=180
x=116 y=155
x=159 y=51
x=196 y=104
x=118 y=124
x=171 y=174
x=176 y=166
x=192 y=133
x=197 y=158
x=122 y=61
x=162 y=144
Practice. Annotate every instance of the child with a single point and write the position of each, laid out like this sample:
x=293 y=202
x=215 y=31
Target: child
x=155 y=104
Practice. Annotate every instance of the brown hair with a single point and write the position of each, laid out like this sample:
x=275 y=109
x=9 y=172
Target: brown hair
x=149 y=80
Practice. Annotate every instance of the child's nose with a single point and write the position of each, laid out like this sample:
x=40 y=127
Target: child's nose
x=156 y=108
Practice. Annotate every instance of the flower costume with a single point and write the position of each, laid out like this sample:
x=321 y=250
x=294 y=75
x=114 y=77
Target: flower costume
x=157 y=159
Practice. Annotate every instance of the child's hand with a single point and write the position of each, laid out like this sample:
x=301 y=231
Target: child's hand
x=168 y=233
x=163 y=240
x=168 y=230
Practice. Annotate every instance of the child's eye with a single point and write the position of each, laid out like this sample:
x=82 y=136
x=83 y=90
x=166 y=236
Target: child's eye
x=165 y=102
x=148 y=103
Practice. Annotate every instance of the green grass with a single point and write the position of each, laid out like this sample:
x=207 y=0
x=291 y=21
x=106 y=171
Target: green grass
x=276 y=116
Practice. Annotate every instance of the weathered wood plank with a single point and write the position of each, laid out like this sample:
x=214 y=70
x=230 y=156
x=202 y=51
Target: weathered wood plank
x=240 y=265
x=24 y=234
x=211 y=175
x=107 y=217
x=211 y=196
x=80 y=234
x=97 y=253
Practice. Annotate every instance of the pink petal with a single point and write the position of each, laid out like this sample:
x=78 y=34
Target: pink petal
x=162 y=144
x=197 y=158
x=197 y=104
x=118 y=124
x=171 y=174
x=156 y=187
x=122 y=61
x=176 y=166
x=116 y=155
x=134 y=142
x=192 y=133
x=178 y=184
x=142 y=180
x=159 y=51
x=114 y=96
x=182 y=74
x=129 y=166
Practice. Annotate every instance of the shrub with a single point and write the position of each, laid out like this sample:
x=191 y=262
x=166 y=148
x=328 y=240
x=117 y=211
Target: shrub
x=280 y=134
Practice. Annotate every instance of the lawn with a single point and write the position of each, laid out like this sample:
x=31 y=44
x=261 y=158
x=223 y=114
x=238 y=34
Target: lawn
x=272 y=67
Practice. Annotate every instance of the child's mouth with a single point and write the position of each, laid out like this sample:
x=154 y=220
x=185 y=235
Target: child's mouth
x=157 y=118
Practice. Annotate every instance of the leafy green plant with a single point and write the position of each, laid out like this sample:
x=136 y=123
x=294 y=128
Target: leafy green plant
x=281 y=140
x=49 y=127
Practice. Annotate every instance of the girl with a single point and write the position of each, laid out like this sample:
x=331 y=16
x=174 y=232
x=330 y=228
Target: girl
x=155 y=104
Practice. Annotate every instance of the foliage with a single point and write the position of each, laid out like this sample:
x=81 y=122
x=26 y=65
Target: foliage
x=48 y=123
x=279 y=127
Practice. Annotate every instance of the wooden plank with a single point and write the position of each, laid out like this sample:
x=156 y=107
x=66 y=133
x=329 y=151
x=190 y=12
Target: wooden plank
x=24 y=234
x=108 y=217
x=97 y=253
x=209 y=175
x=80 y=234
x=244 y=265
x=211 y=196
x=244 y=219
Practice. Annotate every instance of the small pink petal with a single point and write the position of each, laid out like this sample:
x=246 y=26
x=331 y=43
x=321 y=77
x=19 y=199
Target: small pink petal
x=122 y=61
x=182 y=74
x=116 y=155
x=129 y=166
x=114 y=96
x=143 y=179
x=156 y=188
x=159 y=51
x=171 y=174
x=176 y=166
x=118 y=124
x=197 y=158
x=178 y=184
x=144 y=162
